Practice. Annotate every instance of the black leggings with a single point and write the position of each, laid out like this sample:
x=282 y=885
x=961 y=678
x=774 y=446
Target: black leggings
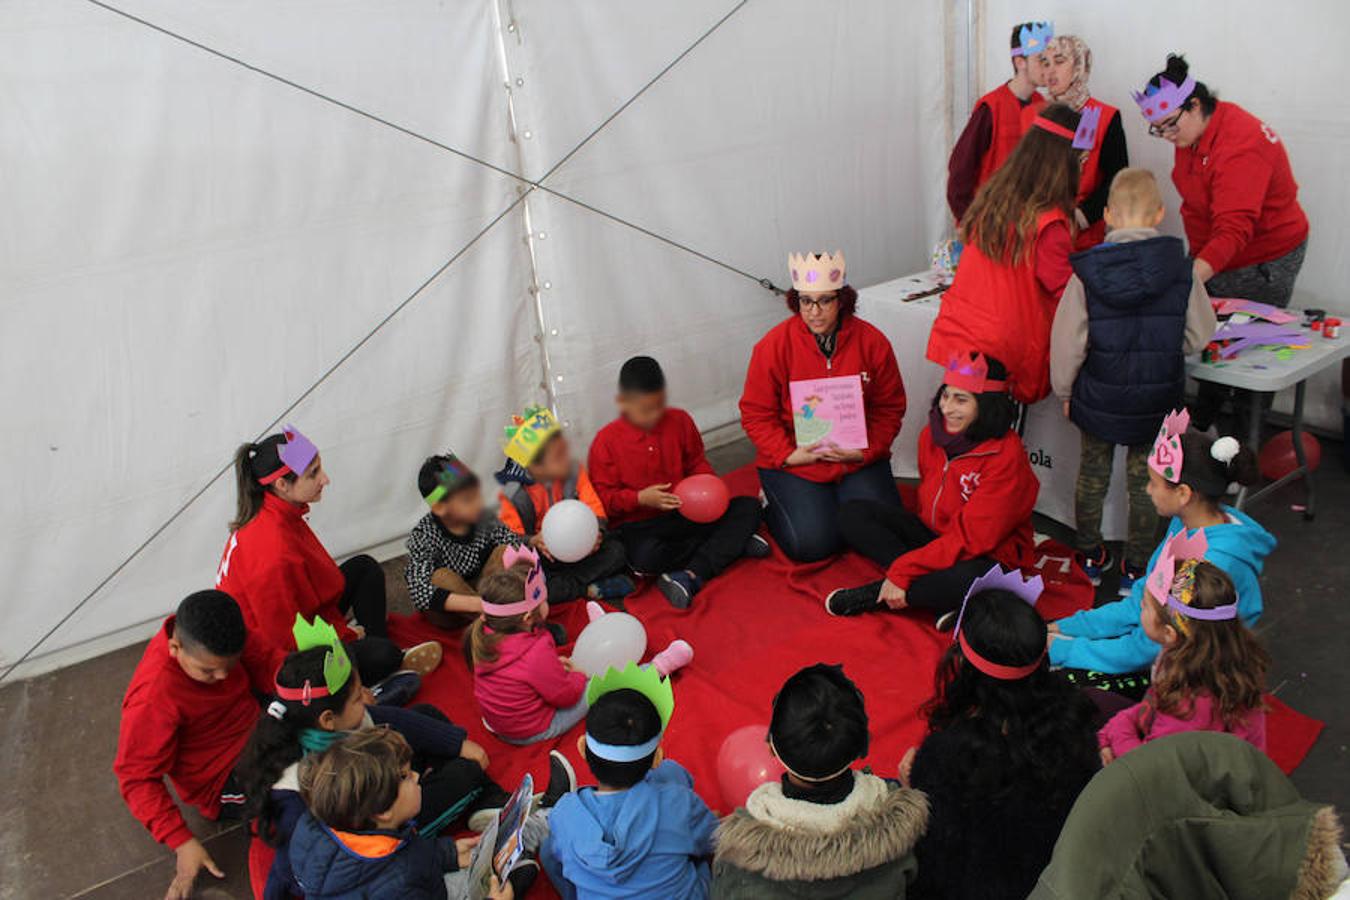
x=376 y=656
x=670 y=542
x=883 y=532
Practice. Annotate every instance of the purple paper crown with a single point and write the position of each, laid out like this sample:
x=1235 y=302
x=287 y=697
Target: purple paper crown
x=298 y=451
x=1085 y=138
x=1033 y=37
x=996 y=579
x=1160 y=101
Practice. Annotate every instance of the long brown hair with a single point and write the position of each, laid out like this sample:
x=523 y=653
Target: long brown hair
x=507 y=586
x=1040 y=175
x=1222 y=659
x=251 y=462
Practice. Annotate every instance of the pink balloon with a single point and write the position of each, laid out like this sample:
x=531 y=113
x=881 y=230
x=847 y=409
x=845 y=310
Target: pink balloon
x=703 y=498
x=744 y=763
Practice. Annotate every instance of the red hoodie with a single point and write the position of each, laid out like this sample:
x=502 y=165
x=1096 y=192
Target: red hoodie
x=190 y=731
x=978 y=504
x=275 y=567
x=519 y=691
x=1239 y=200
x=789 y=352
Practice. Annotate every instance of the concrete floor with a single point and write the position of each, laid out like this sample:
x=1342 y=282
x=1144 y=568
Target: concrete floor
x=65 y=833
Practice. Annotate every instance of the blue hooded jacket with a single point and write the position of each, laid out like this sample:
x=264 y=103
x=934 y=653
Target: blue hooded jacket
x=372 y=865
x=651 y=841
x=1111 y=639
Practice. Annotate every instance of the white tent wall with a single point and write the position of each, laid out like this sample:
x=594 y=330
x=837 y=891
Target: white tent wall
x=1285 y=64
x=190 y=246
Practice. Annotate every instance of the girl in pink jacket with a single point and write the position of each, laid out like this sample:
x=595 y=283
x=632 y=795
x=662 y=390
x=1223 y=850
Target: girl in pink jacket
x=525 y=690
x=1211 y=673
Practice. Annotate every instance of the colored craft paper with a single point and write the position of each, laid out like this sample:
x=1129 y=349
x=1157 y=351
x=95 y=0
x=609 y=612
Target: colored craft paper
x=1245 y=335
x=1227 y=306
x=829 y=412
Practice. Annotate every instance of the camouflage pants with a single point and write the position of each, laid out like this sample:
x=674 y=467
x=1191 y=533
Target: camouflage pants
x=1094 y=479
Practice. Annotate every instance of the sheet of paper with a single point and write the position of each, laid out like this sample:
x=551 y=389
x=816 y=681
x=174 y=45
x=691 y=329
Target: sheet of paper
x=1226 y=306
x=829 y=412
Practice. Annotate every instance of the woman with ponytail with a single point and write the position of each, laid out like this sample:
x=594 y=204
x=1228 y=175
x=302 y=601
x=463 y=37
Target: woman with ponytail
x=275 y=567
x=318 y=698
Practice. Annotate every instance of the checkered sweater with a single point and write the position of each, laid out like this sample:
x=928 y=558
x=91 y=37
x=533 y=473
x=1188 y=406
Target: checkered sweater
x=431 y=547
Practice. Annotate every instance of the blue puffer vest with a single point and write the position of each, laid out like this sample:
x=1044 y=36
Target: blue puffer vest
x=1135 y=371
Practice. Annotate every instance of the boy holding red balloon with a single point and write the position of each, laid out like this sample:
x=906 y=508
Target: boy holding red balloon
x=690 y=534
x=540 y=473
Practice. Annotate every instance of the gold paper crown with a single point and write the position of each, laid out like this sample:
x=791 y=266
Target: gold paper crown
x=817 y=272
x=527 y=433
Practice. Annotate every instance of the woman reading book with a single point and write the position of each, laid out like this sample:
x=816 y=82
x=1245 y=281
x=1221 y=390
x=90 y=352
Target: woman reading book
x=823 y=401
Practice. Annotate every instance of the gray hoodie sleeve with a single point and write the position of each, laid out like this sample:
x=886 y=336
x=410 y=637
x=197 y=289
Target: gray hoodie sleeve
x=1200 y=319
x=1069 y=338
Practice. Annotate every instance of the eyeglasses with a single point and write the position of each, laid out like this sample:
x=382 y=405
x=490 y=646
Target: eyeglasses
x=1170 y=125
x=823 y=302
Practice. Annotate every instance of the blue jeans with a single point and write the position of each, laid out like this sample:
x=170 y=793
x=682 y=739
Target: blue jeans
x=563 y=720
x=803 y=515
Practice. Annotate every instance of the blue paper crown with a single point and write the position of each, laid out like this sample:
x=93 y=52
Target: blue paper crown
x=1033 y=38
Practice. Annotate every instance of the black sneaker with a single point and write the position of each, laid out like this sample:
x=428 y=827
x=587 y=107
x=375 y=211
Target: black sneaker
x=558 y=632
x=1095 y=562
x=522 y=876
x=854 y=601
x=756 y=547
x=679 y=588
x=562 y=779
x=611 y=589
x=947 y=621
x=397 y=689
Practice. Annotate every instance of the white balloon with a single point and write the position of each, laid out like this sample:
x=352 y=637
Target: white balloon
x=615 y=639
x=569 y=530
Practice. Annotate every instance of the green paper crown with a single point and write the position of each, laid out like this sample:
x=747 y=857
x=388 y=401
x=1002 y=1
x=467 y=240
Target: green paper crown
x=643 y=679
x=337 y=666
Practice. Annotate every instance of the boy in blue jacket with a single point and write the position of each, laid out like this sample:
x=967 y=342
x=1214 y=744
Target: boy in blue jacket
x=1189 y=474
x=643 y=833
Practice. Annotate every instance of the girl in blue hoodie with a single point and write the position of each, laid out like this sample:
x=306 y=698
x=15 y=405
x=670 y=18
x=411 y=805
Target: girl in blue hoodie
x=1189 y=474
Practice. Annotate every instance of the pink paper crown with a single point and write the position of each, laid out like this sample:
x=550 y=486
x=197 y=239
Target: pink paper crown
x=1157 y=103
x=1011 y=581
x=1033 y=37
x=1085 y=138
x=817 y=272
x=535 y=590
x=971 y=374
x=1178 y=549
x=1166 y=457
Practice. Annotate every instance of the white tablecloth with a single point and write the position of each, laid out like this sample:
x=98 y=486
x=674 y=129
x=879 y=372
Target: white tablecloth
x=1051 y=440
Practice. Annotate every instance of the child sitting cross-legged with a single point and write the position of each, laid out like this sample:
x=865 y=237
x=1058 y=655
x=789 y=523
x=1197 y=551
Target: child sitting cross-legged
x=636 y=460
x=540 y=472
x=454 y=546
x=359 y=840
x=642 y=832
x=826 y=829
x=318 y=698
x=1211 y=672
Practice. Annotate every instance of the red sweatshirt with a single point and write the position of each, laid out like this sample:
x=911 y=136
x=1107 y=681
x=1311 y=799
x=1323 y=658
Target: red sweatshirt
x=979 y=504
x=624 y=459
x=190 y=731
x=275 y=567
x=789 y=352
x=1239 y=200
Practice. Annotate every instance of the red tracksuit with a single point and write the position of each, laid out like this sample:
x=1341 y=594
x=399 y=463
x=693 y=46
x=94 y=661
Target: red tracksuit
x=189 y=731
x=1004 y=311
x=624 y=459
x=275 y=567
x=1239 y=200
x=979 y=504
x=789 y=352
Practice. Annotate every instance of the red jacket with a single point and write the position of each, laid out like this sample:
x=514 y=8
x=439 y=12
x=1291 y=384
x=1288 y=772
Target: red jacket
x=978 y=504
x=275 y=567
x=624 y=459
x=1239 y=200
x=1010 y=120
x=190 y=731
x=1003 y=311
x=787 y=353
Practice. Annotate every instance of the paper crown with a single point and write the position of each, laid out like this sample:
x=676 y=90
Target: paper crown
x=536 y=592
x=996 y=579
x=526 y=434
x=1159 y=101
x=968 y=373
x=452 y=474
x=1085 y=138
x=647 y=682
x=1172 y=581
x=296 y=452
x=1033 y=37
x=817 y=272
x=337 y=665
x=1166 y=457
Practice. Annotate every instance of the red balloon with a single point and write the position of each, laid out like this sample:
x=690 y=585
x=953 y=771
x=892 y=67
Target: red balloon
x=703 y=498
x=1277 y=456
x=744 y=763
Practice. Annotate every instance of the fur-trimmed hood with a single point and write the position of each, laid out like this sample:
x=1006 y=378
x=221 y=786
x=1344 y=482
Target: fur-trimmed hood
x=783 y=839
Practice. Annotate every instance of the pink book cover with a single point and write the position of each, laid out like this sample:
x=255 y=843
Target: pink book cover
x=829 y=412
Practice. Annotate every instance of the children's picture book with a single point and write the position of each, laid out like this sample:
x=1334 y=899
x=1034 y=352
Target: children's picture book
x=828 y=412
x=503 y=842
